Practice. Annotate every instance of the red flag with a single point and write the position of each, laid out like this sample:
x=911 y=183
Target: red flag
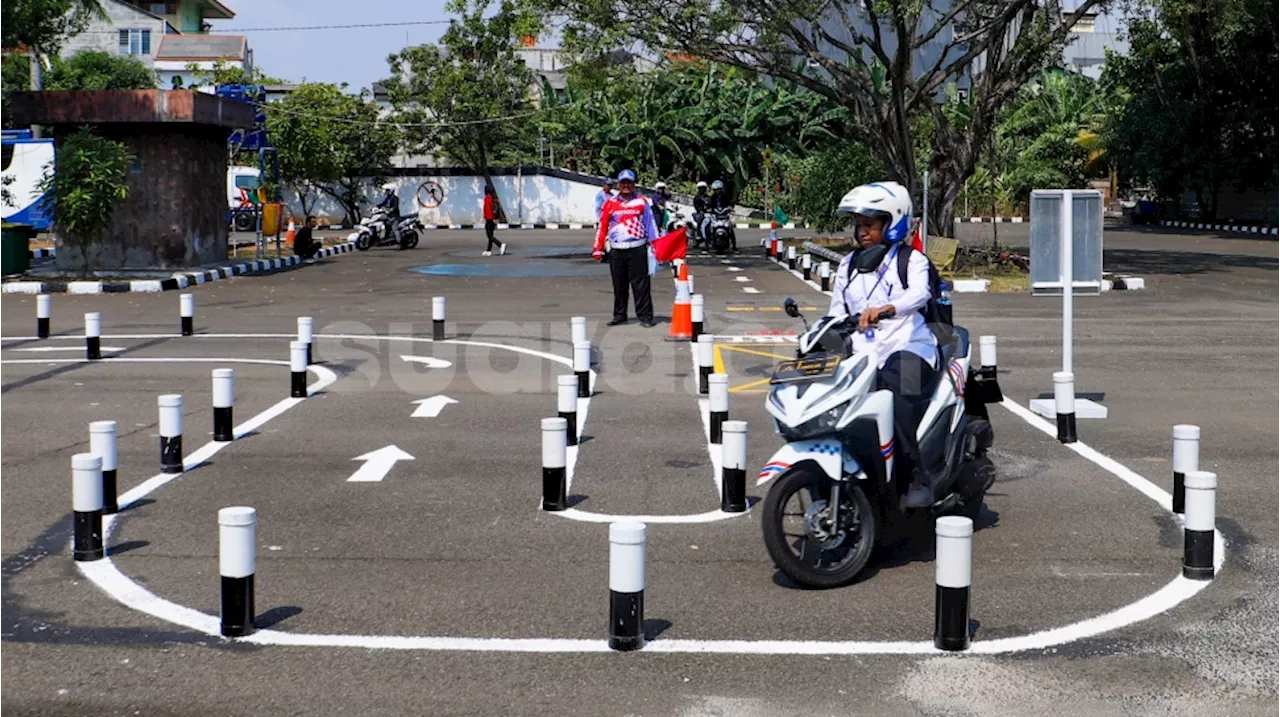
x=915 y=240
x=671 y=246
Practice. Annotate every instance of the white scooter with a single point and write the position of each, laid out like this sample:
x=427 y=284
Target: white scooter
x=373 y=231
x=840 y=477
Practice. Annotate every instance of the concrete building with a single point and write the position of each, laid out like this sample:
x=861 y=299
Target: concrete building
x=171 y=38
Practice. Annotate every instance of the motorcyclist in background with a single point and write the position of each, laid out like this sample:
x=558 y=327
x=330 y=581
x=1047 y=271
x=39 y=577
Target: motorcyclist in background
x=661 y=196
x=391 y=203
x=718 y=200
x=700 y=212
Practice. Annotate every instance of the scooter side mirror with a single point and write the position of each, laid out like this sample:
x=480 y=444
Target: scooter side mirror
x=790 y=307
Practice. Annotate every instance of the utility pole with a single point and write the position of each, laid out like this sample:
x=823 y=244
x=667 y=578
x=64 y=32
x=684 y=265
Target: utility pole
x=37 y=83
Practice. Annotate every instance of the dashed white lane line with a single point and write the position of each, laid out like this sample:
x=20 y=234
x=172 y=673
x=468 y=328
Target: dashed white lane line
x=735 y=268
x=743 y=279
x=751 y=290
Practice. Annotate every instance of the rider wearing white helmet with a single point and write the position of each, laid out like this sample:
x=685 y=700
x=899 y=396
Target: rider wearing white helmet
x=868 y=285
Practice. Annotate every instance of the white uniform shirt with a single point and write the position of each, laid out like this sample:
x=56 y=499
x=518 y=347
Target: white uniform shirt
x=907 y=330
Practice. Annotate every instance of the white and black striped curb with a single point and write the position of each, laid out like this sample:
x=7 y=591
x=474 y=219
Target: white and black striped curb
x=43 y=253
x=1242 y=229
x=990 y=220
x=178 y=281
x=766 y=225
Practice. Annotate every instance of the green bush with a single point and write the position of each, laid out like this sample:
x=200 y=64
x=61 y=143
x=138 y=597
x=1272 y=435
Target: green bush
x=821 y=179
x=98 y=70
x=90 y=179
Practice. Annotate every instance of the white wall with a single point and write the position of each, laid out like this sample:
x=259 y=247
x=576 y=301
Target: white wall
x=546 y=200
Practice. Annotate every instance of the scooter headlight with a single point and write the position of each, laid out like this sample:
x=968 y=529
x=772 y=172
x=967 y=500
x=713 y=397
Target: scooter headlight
x=822 y=424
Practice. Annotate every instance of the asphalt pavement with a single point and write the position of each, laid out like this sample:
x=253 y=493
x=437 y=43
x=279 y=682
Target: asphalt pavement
x=450 y=542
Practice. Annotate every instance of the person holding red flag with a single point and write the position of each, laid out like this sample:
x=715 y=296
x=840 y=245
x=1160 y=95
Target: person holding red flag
x=627 y=226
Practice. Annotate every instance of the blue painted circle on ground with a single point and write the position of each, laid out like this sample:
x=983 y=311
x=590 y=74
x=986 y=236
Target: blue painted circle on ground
x=513 y=269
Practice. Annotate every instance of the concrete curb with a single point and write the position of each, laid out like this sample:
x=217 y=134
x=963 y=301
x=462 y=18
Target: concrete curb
x=178 y=281
x=1241 y=229
x=44 y=253
x=990 y=220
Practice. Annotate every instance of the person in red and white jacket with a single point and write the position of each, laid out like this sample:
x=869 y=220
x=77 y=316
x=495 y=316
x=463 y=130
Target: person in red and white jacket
x=628 y=227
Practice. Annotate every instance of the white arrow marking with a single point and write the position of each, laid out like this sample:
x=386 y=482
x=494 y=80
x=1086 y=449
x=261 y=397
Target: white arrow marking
x=377 y=464
x=430 y=361
x=430 y=407
x=69 y=348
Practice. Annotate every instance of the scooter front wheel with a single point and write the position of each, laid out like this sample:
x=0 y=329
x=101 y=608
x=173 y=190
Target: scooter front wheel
x=362 y=241
x=799 y=534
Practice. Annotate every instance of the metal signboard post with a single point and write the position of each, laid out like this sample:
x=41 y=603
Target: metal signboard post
x=1066 y=258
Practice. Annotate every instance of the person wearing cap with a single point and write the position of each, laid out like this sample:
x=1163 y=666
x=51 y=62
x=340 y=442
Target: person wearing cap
x=627 y=227
x=603 y=195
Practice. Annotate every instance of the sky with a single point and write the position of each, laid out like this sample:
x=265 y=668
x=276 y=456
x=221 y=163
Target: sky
x=357 y=56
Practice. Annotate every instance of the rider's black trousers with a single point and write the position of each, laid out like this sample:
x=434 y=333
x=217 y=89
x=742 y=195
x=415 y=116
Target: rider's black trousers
x=908 y=376
x=489 y=226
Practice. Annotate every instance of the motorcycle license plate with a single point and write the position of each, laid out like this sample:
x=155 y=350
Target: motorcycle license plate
x=806 y=369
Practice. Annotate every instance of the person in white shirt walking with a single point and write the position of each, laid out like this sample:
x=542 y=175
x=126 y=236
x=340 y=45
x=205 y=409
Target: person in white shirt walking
x=868 y=285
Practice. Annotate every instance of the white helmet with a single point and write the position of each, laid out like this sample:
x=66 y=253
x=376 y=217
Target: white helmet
x=702 y=185
x=717 y=184
x=889 y=200
x=389 y=187
x=660 y=185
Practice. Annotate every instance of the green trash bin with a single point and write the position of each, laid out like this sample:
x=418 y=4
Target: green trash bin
x=14 y=254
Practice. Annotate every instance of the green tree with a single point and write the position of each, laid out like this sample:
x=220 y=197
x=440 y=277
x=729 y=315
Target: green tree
x=329 y=142
x=43 y=25
x=824 y=177
x=98 y=70
x=1200 y=99
x=224 y=73
x=86 y=181
x=471 y=98
x=886 y=61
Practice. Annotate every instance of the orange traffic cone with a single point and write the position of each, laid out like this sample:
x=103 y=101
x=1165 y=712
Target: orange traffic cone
x=682 y=311
x=288 y=238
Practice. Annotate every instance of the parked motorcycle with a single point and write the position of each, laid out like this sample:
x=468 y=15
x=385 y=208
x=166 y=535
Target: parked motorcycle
x=720 y=230
x=840 y=478
x=373 y=231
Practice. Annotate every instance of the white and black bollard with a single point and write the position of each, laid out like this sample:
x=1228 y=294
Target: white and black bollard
x=706 y=361
x=733 y=467
x=1064 y=401
x=953 y=558
x=1186 y=458
x=237 y=563
x=187 y=313
x=44 y=309
x=567 y=405
x=688 y=281
x=102 y=443
x=437 y=318
x=582 y=367
x=578 y=329
x=806 y=265
x=297 y=369
x=93 y=336
x=1197 y=534
x=791 y=258
x=170 y=432
x=718 y=393
x=824 y=275
x=767 y=245
x=987 y=356
x=305 y=326
x=86 y=504
x=697 y=308
x=626 y=585
x=224 y=395
x=554 y=481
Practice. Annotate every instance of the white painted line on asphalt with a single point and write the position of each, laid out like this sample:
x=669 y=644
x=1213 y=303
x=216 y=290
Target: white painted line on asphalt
x=377 y=464
x=735 y=268
x=742 y=279
x=428 y=361
x=751 y=290
x=430 y=407
x=104 y=574
x=39 y=349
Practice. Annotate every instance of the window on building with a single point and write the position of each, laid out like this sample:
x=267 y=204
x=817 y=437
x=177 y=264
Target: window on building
x=135 y=42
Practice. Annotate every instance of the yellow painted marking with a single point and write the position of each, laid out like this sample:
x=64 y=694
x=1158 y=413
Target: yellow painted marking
x=743 y=388
x=765 y=308
x=755 y=352
x=739 y=308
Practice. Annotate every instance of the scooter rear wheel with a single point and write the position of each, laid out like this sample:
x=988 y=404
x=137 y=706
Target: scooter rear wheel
x=804 y=547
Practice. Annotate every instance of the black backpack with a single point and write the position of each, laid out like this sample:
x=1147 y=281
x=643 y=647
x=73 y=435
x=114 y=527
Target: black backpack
x=936 y=315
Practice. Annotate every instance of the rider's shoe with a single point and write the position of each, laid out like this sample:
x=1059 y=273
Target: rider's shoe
x=503 y=250
x=486 y=253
